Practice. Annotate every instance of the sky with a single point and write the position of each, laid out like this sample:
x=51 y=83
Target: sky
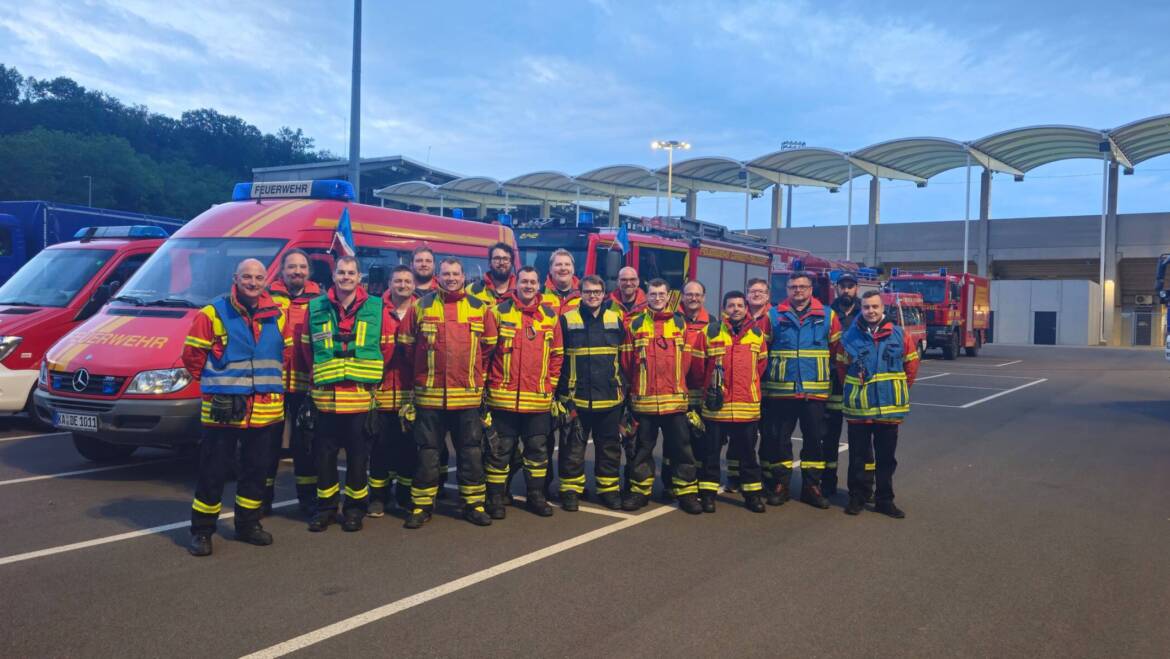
x=515 y=86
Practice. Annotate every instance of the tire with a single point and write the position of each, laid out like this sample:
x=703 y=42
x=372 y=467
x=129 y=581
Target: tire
x=951 y=349
x=38 y=423
x=921 y=350
x=92 y=448
x=973 y=351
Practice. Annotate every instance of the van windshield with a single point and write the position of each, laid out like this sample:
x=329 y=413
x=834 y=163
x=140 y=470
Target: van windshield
x=191 y=272
x=933 y=291
x=53 y=277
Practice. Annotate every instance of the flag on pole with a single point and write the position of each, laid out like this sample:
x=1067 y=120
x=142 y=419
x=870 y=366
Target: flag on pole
x=344 y=235
x=622 y=242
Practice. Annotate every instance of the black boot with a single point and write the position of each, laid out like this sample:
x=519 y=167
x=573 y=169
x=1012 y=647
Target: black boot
x=611 y=500
x=417 y=518
x=689 y=503
x=777 y=495
x=376 y=507
x=538 y=504
x=856 y=505
x=308 y=507
x=494 y=505
x=707 y=499
x=352 y=520
x=889 y=509
x=634 y=501
x=402 y=498
x=755 y=503
x=570 y=502
x=321 y=521
x=254 y=535
x=811 y=494
x=828 y=486
x=476 y=515
x=200 y=545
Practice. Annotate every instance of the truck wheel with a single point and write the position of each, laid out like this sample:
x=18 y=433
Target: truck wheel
x=38 y=423
x=973 y=351
x=951 y=349
x=921 y=350
x=92 y=448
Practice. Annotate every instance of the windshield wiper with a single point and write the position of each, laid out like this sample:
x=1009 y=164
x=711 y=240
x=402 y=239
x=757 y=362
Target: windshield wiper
x=136 y=301
x=173 y=302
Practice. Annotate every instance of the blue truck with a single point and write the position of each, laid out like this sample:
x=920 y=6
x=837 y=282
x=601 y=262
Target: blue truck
x=27 y=227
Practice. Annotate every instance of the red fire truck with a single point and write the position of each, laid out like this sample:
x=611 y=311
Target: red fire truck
x=905 y=309
x=824 y=272
x=957 y=308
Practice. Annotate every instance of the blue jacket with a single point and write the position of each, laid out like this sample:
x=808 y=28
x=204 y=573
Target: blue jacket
x=799 y=352
x=877 y=382
x=247 y=365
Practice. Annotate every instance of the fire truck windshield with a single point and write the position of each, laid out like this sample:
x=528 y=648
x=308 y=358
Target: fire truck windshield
x=537 y=256
x=190 y=272
x=933 y=291
x=53 y=277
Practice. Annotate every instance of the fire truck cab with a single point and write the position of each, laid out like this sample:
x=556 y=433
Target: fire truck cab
x=905 y=309
x=957 y=308
x=824 y=273
x=118 y=382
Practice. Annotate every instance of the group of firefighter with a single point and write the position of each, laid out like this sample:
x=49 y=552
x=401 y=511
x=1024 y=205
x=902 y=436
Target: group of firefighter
x=506 y=367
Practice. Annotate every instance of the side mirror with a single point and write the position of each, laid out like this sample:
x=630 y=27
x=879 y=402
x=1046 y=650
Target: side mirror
x=376 y=280
x=96 y=301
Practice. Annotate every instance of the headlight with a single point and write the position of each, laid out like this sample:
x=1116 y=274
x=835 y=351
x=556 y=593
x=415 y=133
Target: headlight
x=163 y=381
x=7 y=345
x=43 y=378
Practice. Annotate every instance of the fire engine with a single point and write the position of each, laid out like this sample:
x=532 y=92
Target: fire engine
x=905 y=309
x=824 y=273
x=957 y=308
x=1163 y=294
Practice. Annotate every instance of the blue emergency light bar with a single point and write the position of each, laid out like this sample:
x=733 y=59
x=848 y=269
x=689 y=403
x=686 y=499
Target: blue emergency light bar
x=333 y=189
x=834 y=275
x=942 y=271
x=797 y=265
x=868 y=273
x=893 y=272
x=137 y=231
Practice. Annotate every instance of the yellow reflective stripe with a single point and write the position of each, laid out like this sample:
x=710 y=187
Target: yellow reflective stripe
x=812 y=464
x=197 y=342
x=328 y=492
x=245 y=502
x=379 y=483
x=871 y=466
x=587 y=352
x=803 y=352
x=206 y=508
x=306 y=480
x=357 y=494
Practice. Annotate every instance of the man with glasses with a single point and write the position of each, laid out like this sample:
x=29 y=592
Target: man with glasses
x=847 y=307
x=499 y=282
x=591 y=388
x=804 y=336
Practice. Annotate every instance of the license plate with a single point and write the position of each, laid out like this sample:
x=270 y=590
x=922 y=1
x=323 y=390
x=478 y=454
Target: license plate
x=76 y=421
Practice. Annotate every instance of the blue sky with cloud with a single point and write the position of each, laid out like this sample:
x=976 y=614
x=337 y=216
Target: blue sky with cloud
x=504 y=88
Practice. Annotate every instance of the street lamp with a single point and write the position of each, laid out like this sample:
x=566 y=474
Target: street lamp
x=788 y=145
x=90 y=180
x=670 y=146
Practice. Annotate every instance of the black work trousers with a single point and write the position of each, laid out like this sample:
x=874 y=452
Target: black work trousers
x=526 y=433
x=430 y=431
x=300 y=444
x=607 y=451
x=393 y=460
x=676 y=447
x=742 y=442
x=831 y=446
x=336 y=432
x=780 y=418
x=217 y=454
x=871 y=452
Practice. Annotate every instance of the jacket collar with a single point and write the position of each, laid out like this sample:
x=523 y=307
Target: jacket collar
x=701 y=319
x=551 y=287
x=527 y=309
x=359 y=299
x=639 y=300
x=814 y=308
x=489 y=285
x=450 y=296
x=884 y=328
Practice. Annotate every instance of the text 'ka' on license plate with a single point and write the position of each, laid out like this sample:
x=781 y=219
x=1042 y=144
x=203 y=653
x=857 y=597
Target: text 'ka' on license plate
x=76 y=421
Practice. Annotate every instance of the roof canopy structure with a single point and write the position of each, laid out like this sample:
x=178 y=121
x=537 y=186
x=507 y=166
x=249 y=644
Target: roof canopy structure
x=1029 y=148
x=806 y=166
x=626 y=181
x=484 y=190
x=1143 y=139
x=552 y=187
x=715 y=174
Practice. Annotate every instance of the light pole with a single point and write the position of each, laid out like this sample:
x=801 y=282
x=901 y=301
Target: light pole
x=89 y=179
x=788 y=145
x=670 y=146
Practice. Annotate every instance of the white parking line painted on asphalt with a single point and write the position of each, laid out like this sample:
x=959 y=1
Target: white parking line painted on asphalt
x=1007 y=363
x=43 y=434
x=912 y=404
x=1003 y=393
x=398 y=606
x=29 y=479
x=930 y=377
x=960 y=386
x=966 y=374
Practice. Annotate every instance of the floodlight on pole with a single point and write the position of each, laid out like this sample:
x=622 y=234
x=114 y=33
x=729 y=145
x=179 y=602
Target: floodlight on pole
x=670 y=146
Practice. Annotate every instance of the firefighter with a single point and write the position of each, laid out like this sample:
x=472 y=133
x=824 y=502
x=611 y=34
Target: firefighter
x=804 y=335
x=694 y=300
x=758 y=304
x=628 y=299
x=345 y=330
x=878 y=363
x=561 y=287
x=448 y=337
x=499 y=282
x=422 y=264
x=522 y=374
x=734 y=354
x=847 y=307
x=292 y=291
x=235 y=351
x=656 y=359
x=591 y=390
x=392 y=457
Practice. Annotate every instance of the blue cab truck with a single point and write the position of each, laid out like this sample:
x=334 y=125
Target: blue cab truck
x=27 y=227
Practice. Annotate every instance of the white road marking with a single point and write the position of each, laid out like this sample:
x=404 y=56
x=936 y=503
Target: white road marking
x=43 y=434
x=961 y=386
x=588 y=508
x=1003 y=393
x=935 y=405
x=989 y=375
x=1007 y=363
x=930 y=377
x=398 y=606
x=29 y=479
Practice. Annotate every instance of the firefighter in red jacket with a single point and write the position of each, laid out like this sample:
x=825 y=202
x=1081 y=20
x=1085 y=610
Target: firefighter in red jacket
x=657 y=360
x=522 y=376
x=561 y=287
x=758 y=303
x=292 y=291
x=628 y=299
x=877 y=364
x=735 y=355
x=392 y=458
x=693 y=307
x=235 y=350
x=448 y=337
x=499 y=282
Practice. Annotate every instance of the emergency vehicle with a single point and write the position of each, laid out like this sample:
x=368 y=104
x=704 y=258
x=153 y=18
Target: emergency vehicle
x=824 y=273
x=957 y=308
x=117 y=382
x=674 y=249
x=61 y=287
x=905 y=309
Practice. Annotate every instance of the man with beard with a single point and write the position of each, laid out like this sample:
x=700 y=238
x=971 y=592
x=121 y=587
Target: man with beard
x=422 y=264
x=847 y=308
x=499 y=282
x=628 y=299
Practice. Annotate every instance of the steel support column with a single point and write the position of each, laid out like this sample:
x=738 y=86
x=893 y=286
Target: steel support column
x=777 y=213
x=983 y=227
x=615 y=211
x=875 y=203
x=1112 y=292
x=692 y=202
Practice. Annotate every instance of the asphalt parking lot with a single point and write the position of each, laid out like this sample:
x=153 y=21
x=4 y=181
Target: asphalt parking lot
x=1035 y=481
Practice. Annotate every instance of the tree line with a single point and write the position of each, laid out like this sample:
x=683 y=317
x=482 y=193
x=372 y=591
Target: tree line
x=54 y=133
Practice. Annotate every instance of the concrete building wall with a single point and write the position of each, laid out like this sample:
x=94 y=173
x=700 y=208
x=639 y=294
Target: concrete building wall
x=1076 y=304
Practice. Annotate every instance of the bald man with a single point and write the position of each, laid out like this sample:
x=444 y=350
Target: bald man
x=628 y=299
x=235 y=351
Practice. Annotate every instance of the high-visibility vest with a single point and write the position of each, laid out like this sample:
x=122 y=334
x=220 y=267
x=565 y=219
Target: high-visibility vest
x=798 y=355
x=247 y=365
x=875 y=379
x=359 y=360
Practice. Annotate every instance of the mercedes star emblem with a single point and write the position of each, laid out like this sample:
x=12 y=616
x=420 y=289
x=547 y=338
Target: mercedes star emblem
x=80 y=380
